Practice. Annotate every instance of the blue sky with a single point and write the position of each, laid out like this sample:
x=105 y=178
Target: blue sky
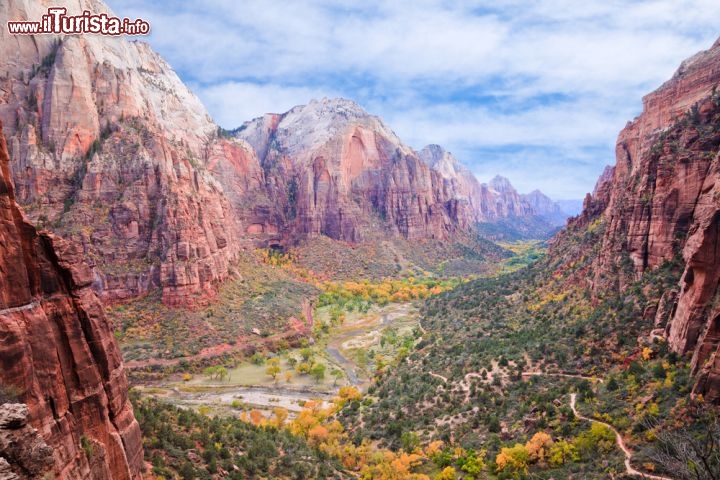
x=534 y=90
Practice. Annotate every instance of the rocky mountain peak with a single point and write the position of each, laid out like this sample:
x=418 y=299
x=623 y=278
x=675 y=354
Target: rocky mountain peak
x=332 y=108
x=102 y=133
x=442 y=161
x=543 y=206
x=306 y=128
x=103 y=78
x=540 y=202
x=501 y=184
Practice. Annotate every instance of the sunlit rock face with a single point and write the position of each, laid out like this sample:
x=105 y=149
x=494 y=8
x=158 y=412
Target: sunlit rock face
x=109 y=149
x=341 y=172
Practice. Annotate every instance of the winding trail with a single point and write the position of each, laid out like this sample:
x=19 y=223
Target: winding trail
x=620 y=443
x=21 y=308
x=465 y=386
x=437 y=375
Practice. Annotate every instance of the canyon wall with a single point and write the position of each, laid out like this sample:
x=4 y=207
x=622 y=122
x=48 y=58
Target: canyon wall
x=59 y=354
x=108 y=148
x=335 y=170
x=661 y=203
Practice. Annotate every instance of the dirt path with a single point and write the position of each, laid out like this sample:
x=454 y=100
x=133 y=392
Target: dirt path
x=28 y=306
x=465 y=386
x=436 y=375
x=620 y=443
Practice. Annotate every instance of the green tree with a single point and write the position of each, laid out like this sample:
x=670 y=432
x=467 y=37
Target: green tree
x=598 y=438
x=306 y=353
x=337 y=374
x=217 y=372
x=257 y=358
x=318 y=372
x=273 y=368
x=410 y=441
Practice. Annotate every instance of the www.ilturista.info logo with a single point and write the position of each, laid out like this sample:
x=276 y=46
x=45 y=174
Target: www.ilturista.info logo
x=57 y=21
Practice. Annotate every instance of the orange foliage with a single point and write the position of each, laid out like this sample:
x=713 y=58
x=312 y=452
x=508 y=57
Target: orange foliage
x=434 y=447
x=256 y=417
x=539 y=446
x=317 y=435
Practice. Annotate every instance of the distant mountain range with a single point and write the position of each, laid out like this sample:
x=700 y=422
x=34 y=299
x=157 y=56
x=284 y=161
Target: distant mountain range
x=353 y=179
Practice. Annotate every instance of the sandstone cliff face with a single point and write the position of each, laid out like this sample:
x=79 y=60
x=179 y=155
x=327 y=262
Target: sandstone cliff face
x=507 y=202
x=662 y=200
x=58 y=350
x=488 y=202
x=108 y=148
x=492 y=201
x=335 y=170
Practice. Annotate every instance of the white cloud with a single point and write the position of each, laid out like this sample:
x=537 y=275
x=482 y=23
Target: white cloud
x=564 y=75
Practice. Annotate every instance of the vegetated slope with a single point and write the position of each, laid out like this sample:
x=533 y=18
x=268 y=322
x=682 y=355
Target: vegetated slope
x=186 y=443
x=626 y=295
x=264 y=299
x=58 y=354
x=663 y=201
x=464 y=383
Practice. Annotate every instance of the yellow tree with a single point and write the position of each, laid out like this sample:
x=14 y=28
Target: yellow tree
x=280 y=416
x=273 y=368
x=514 y=460
x=538 y=446
x=561 y=452
x=448 y=473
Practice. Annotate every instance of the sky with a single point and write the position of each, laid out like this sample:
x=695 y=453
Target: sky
x=534 y=90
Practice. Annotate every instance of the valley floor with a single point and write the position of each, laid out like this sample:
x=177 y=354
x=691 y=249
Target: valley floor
x=487 y=376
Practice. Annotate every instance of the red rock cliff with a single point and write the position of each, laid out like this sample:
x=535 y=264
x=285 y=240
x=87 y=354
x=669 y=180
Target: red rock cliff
x=662 y=201
x=108 y=148
x=335 y=170
x=58 y=350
